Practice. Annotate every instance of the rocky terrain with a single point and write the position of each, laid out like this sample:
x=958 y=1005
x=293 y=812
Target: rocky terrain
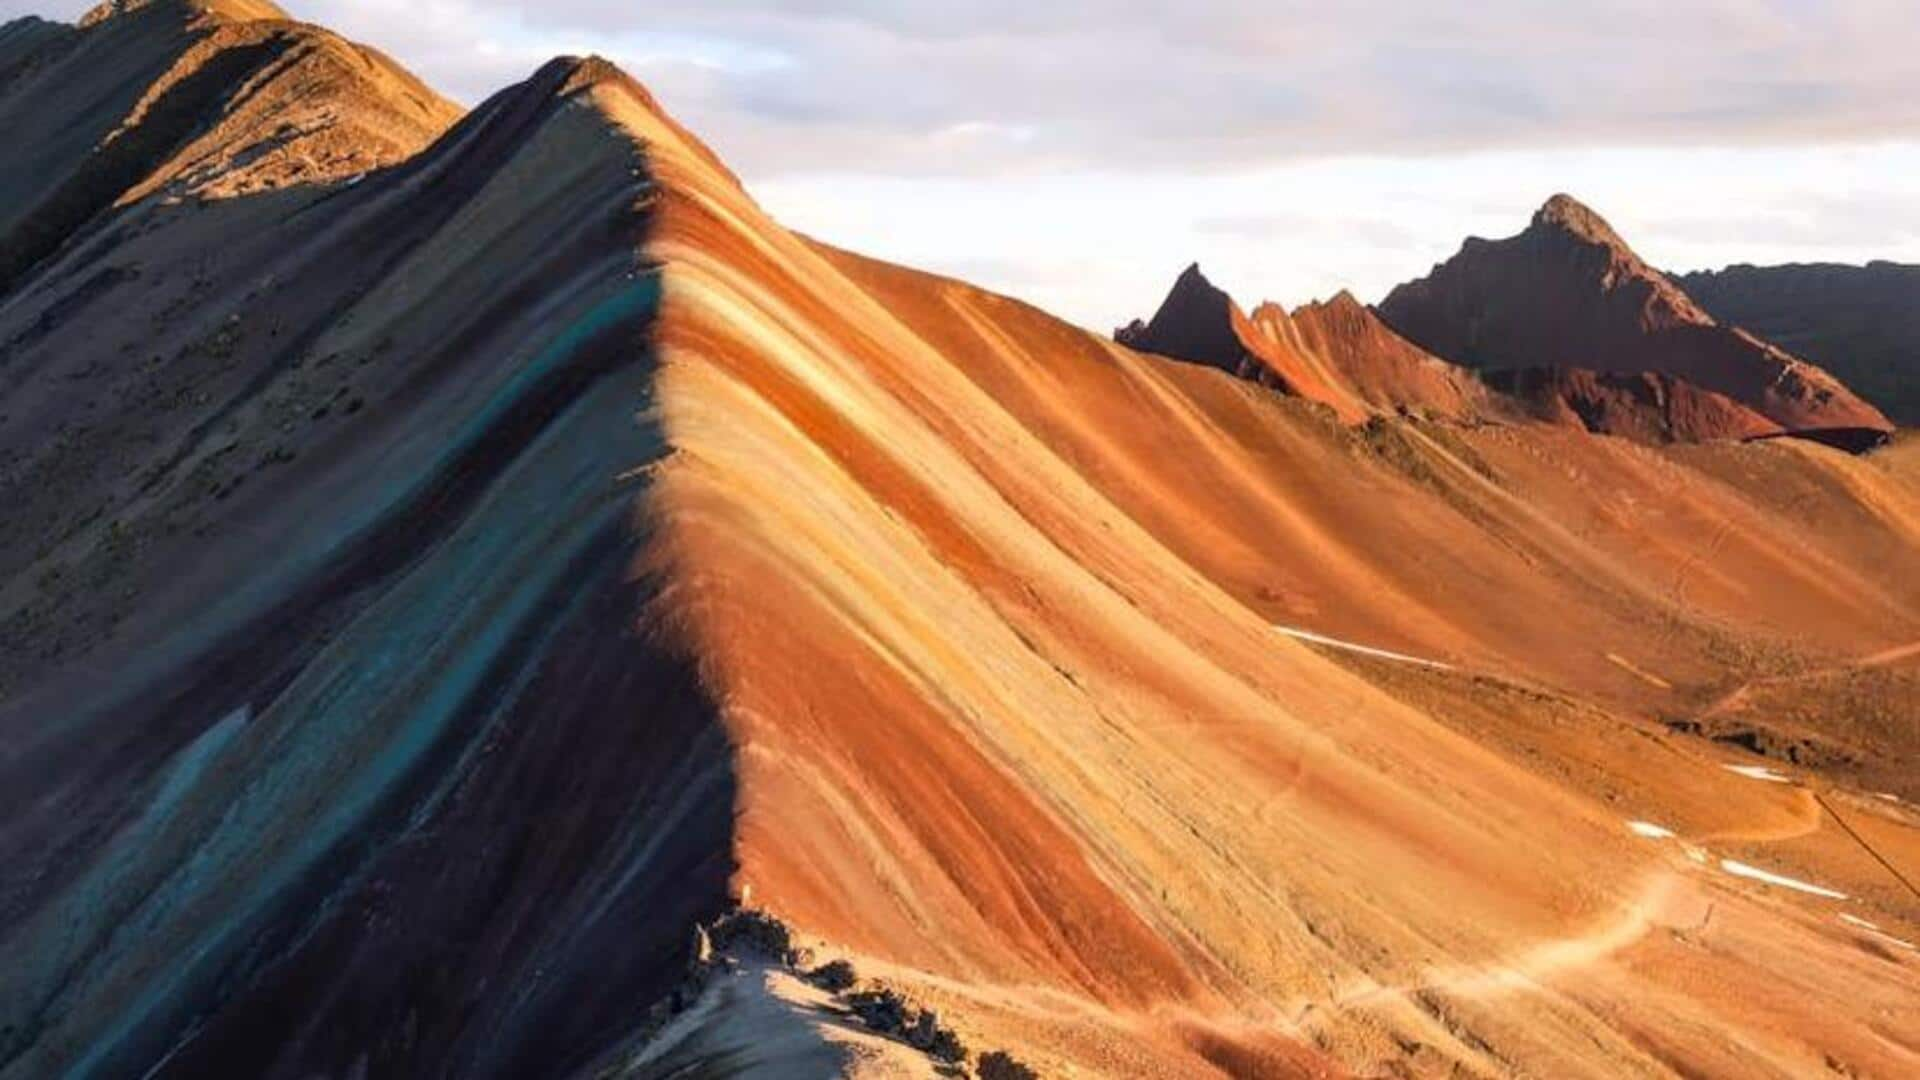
x=481 y=598
x=1862 y=323
x=1569 y=293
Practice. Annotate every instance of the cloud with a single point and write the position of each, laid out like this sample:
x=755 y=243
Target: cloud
x=808 y=85
x=1078 y=154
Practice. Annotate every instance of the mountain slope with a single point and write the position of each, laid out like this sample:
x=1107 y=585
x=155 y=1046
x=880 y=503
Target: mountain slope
x=1568 y=292
x=438 y=593
x=1860 y=322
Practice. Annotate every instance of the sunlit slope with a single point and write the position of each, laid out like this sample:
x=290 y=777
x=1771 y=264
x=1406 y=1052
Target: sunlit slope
x=992 y=605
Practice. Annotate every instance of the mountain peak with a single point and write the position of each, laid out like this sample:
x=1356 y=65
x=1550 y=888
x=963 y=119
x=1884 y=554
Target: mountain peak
x=1195 y=322
x=576 y=73
x=232 y=10
x=600 y=82
x=1569 y=293
x=1565 y=213
x=1346 y=303
x=1193 y=278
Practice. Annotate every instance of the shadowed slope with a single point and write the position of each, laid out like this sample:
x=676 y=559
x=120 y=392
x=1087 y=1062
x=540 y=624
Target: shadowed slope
x=1860 y=322
x=344 y=726
x=1569 y=293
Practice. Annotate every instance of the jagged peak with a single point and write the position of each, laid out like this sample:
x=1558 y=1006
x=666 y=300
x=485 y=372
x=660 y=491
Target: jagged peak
x=228 y=10
x=1193 y=284
x=1564 y=213
x=1194 y=278
x=1344 y=303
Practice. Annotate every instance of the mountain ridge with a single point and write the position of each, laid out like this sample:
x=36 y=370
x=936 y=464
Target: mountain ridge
x=223 y=102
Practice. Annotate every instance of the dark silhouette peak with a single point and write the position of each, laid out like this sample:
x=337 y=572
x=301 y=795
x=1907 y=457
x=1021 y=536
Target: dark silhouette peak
x=1194 y=322
x=1194 y=295
x=1194 y=278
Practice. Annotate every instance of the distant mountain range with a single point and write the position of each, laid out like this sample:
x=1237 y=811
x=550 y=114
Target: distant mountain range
x=1862 y=323
x=1562 y=323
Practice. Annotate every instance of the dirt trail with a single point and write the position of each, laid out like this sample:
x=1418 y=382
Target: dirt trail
x=1738 y=696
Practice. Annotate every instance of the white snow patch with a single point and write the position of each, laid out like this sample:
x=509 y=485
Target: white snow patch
x=1740 y=869
x=1649 y=830
x=1759 y=772
x=1367 y=650
x=1886 y=796
x=1874 y=930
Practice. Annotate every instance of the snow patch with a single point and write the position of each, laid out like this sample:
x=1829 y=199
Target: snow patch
x=1740 y=869
x=1873 y=929
x=1366 y=650
x=1759 y=772
x=1649 y=830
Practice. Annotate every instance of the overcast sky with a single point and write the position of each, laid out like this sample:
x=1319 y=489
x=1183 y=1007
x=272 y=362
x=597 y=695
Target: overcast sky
x=1079 y=153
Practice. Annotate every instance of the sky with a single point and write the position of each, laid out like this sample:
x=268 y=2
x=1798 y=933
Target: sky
x=1079 y=153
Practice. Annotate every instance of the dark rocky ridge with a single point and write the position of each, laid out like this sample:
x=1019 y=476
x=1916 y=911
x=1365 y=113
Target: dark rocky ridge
x=1862 y=323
